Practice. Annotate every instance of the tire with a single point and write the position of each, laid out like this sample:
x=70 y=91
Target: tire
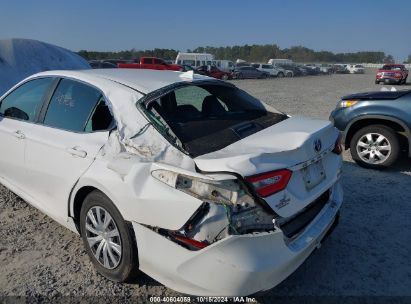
x=240 y=76
x=224 y=77
x=120 y=261
x=289 y=75
x=367 y=145
x=377 y=82
x=280 y=75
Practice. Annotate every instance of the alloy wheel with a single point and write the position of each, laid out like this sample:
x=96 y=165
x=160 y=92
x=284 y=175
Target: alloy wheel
x=373 y=148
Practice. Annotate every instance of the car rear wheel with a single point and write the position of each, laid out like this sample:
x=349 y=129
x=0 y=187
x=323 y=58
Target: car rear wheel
x=107 y=238
x=375 y=146
x=377 y=82
x=240 y=76
x=224 y=77
x=280 y=75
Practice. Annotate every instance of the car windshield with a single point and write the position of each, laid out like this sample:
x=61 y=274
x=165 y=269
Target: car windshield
x=206 y=118
x=391 y=67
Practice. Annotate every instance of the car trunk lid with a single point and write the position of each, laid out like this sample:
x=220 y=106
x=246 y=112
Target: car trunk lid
x=283 y=145
x=301 y=145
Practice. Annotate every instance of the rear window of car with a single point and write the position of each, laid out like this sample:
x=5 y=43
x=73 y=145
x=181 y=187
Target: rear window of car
x=206 y=118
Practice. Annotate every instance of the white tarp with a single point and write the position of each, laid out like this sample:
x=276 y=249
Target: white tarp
x=20 y=58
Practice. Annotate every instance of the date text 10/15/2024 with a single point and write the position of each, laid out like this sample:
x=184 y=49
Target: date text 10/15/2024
x=188 y=299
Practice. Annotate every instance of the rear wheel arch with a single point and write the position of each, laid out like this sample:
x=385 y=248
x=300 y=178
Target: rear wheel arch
x=395 y=124
x=77 y=203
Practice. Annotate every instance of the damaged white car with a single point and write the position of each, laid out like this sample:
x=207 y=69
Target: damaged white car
x=187 y=178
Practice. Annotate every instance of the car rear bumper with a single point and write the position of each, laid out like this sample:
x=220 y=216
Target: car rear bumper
x=238 y=265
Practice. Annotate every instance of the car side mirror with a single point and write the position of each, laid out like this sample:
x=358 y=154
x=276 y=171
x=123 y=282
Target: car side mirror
x=16 y=113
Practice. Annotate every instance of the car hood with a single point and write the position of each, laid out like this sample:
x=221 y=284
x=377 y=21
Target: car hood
x=282 y=145
x=377 y=95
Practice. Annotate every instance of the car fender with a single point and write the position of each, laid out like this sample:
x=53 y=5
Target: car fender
x=381 y=117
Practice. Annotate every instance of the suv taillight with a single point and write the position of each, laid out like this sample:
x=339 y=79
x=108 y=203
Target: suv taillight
x=268 y=183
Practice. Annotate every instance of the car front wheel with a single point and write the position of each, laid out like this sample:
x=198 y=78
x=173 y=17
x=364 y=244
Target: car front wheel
x=107 y=238
x=375 y=146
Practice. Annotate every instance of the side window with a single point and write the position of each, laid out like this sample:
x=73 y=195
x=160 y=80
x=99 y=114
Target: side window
x=158 y=61
x=77 y=107
x=25 y=102
x=147 y=61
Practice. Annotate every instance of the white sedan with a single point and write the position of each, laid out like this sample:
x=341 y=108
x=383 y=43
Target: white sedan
x=187 y=178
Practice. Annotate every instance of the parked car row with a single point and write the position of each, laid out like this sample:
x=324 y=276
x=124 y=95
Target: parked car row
x=224 y=69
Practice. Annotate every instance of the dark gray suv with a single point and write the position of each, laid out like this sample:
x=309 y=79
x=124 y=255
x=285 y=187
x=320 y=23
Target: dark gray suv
x=376 y=126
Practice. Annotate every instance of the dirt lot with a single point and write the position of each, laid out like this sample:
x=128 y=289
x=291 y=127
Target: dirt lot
x=367 y=255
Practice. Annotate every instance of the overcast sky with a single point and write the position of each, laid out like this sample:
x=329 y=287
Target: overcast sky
x=338 y=26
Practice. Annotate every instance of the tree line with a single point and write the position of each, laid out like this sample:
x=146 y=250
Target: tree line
x=251 y=53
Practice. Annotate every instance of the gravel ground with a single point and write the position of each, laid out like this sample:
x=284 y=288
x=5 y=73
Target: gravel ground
x=367 y=255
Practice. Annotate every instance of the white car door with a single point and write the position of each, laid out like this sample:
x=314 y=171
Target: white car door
x=18 y=110
x=74 y=128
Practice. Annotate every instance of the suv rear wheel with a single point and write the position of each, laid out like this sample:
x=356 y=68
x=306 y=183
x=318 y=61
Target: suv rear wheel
x=375 y=146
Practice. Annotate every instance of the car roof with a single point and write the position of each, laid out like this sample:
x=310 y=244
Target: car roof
x=142 y=80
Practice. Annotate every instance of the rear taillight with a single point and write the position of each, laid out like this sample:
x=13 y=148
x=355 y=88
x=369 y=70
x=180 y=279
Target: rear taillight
x=266 y=184
x=191 y=242
x=338 y=146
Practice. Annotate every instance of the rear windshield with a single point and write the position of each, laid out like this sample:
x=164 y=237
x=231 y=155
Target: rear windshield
x=207 y=118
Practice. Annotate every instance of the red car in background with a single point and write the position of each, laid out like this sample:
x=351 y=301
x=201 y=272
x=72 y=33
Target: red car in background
x=392 y=73
x=151 y=63
x=213 y=71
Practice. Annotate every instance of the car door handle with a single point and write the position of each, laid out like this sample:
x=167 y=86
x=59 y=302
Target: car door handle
x=76 y=151
x=19 y=135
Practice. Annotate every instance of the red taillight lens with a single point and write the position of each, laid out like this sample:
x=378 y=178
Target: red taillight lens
x=338 y=146
x=269 y=183
x=191 y=242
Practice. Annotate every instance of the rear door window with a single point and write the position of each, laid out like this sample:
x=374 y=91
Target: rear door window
x=77 y=107
x=26 y=101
